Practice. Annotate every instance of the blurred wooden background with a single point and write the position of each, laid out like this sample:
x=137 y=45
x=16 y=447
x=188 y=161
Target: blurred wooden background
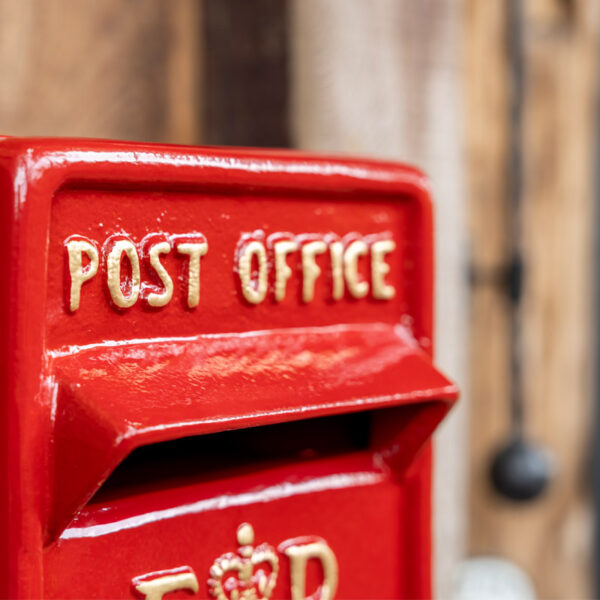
x=552 y=538
x=428 y=82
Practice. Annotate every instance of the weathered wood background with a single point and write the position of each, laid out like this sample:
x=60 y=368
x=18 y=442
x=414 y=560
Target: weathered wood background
x=428 y=82
x=551 y=538
x=127 y=70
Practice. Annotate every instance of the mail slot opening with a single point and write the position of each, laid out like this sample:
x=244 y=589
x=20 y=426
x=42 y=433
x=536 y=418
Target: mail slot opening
x=112 y=400
x=229 y=453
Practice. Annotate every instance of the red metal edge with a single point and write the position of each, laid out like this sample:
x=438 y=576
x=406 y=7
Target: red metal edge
x=9 y=457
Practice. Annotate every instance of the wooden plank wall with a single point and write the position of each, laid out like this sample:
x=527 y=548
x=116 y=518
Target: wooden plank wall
x=552 y=537
x=113 y=69
x=246 y=56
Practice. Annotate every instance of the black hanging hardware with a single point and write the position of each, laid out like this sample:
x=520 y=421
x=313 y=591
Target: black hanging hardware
x=520 y=469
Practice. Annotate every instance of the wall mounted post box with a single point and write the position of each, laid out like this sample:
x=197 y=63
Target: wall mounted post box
x=216 y=374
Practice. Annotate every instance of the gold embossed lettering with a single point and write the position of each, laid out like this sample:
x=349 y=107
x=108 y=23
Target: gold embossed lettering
x=358 y=288
x=243 y=576
x=156 y=299
x=310 y=269
x=155 y=587
x=195 y=250
x=282 y=271
x=113 y=267
x=253 y=292
x=79 y=275
x=336 y=253
x=300 y=551
x=379 y=269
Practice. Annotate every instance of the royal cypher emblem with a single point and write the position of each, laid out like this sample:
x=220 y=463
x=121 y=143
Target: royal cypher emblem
x=250 y=574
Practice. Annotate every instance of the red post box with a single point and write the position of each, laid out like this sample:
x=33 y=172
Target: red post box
x=216 y=374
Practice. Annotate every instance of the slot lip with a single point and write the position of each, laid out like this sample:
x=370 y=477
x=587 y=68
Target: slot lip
x=274 y=483
x=101 y=418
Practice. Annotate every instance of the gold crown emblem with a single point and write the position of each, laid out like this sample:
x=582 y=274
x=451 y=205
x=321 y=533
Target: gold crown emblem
x=250 y=574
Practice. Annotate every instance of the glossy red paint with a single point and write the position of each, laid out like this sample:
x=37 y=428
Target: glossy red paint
x=82 y=388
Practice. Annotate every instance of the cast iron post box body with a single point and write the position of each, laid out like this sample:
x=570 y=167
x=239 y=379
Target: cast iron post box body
x=216 y=373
